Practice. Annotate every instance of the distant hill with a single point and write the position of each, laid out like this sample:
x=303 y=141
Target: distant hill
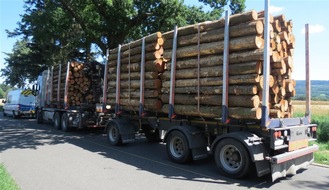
x=319 y=90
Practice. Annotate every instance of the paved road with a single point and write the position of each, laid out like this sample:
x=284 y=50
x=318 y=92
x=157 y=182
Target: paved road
x=40 y=157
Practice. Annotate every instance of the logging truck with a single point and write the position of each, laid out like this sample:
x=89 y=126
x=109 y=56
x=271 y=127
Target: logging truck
x=220 y=88
x=68 y=95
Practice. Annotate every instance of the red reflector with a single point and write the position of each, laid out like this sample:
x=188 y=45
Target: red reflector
x=277 y=134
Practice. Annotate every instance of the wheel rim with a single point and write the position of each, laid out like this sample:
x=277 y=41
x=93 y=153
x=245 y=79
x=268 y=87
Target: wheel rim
x=177 y=148
x=113 y=134
x=230 y=157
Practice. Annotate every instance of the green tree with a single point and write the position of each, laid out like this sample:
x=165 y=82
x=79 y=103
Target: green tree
x=2 y=94
x=55 y=31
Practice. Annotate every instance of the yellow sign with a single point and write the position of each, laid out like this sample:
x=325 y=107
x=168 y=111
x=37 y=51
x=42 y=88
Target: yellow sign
x=27 y=92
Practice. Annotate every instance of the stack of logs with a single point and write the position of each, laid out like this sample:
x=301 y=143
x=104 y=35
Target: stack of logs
x=130 y=71
x=199 y=69
x=78 y=85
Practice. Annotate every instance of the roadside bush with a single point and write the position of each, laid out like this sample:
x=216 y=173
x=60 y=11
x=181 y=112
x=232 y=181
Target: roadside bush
x=323 y=128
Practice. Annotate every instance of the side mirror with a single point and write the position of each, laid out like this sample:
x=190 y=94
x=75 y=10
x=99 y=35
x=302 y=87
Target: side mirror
x=4 y=101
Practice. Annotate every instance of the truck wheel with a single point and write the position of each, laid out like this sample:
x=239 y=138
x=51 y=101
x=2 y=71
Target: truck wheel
x=178 y=148
x=232 y=158
x=65 y=122
x=57 y=120
x=113 y=134
x=14 y=115
x=39 y=116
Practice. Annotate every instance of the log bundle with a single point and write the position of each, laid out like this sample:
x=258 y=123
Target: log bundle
x=130 y=74
x=199 y=69
x=78 y=85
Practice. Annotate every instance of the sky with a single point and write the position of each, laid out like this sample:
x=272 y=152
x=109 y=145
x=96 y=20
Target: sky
x=301 y=12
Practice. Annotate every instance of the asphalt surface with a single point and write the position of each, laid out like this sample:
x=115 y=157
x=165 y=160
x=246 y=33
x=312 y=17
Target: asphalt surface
x=40 y=157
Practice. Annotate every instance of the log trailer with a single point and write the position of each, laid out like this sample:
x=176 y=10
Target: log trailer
x=239 y=135
x=68 y=95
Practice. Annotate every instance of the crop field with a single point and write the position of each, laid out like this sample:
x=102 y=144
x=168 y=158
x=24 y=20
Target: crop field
x=318 y=108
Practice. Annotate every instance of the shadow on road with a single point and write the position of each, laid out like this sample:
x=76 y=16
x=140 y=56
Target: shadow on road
x=150 y=157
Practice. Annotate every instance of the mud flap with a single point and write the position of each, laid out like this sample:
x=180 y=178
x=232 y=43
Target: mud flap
x=291 y=167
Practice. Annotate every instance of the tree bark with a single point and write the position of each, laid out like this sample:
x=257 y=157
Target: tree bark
x=135 y=84
x=213 y=100
x=210 y=90
x=214 y=111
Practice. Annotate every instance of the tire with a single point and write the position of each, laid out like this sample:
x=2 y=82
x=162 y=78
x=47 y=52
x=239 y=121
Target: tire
x=178 y=148
x=65 y=123
x=39 y=116
x=4 y=114
x=232 y=158
x=57 y=121
x=113 y=134
x=14 y=115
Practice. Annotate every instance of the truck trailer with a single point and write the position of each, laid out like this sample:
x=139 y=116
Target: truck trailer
x=220 y=88
x=68 y=95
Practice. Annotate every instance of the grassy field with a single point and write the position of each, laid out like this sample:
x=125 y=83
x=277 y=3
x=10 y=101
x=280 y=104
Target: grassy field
x=319 y=109
x=6 y=182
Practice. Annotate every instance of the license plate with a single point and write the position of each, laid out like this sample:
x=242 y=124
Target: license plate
x=298 y=144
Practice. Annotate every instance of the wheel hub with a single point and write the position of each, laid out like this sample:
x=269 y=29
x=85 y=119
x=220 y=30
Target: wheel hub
x=177 y=147
x=231 y=158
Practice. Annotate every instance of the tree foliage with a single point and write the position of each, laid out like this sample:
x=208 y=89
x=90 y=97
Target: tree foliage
x=4 y=89
x=55 y=31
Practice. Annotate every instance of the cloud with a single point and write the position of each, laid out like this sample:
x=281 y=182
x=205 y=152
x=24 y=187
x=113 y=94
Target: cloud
x=274 y=9
x=317 y=28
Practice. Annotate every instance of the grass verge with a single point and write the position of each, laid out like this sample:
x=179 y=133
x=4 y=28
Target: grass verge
x=6 y=181
x=322 y=155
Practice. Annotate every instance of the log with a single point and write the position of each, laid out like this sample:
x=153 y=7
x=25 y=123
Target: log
x=238 y=79
x=210 y=90
x=290 y=85
x=153 y=104
x=150 y=38
x=214 y=100
x=261 y=14
x=236 y=44
x=212 y=60
x=150 y=66
x=275 y=113
x=132 y=59
x=137 y=50
x=135 y=76
x=279 y=65
x=211 y=25
x=254 y=67
x=135 y=84
x=216 y=71
x=244 y=29
x=277 y=26
x=261 y=81
x=134 y=94
x=214 y=111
